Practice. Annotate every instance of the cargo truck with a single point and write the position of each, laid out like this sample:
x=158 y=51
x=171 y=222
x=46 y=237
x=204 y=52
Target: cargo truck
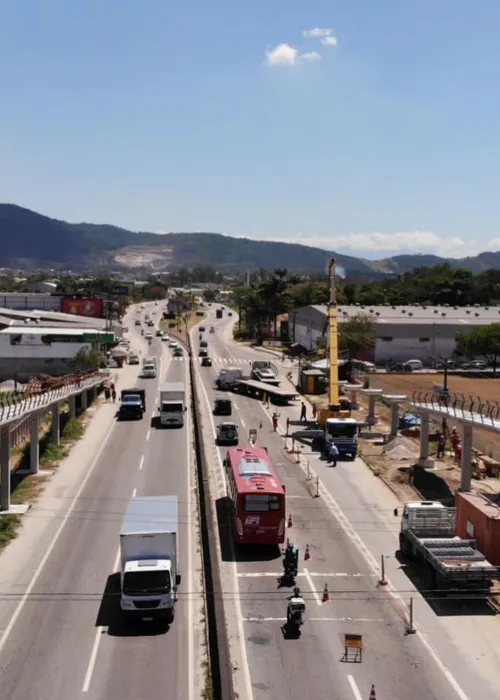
x=149 y=367
x=132 y=404
x=150 y=559
x=428 y=534
x=172 y=404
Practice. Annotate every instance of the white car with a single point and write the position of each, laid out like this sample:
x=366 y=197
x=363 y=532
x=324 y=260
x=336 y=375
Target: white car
x=172 y=344
x=149 y=336
x=165 y=338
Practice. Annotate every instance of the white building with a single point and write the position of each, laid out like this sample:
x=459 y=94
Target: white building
x=403 y=332
x=31 y=350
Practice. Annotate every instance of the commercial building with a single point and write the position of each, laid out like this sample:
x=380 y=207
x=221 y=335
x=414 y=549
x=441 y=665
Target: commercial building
x=403 y=332
x=27 y=351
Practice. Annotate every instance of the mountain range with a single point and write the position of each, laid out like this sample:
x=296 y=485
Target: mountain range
x=31 y=241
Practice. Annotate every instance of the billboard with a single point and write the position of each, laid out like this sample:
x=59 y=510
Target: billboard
x=83 y=307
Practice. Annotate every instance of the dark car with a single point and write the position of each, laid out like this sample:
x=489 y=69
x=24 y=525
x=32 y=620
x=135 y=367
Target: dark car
x=206 y=362
x=203 y=344
x=223 y=407
x=202 y=329
x=203 y=353
x=178 y=352
x=227 y=434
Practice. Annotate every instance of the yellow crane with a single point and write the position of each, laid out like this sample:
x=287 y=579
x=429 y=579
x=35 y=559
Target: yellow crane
x=339 y=406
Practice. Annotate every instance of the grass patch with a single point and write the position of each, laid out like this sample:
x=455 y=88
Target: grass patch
x=207 y=692
x=53 y=454
x=9 y=527
x=73 y=430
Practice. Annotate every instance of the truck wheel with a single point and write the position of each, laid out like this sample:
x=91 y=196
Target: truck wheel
x=170 y=616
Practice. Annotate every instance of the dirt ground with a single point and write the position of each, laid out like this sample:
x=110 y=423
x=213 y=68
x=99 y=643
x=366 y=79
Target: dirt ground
x=394 y=462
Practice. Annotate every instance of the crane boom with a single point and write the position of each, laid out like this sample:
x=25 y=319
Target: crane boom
x=333 y=394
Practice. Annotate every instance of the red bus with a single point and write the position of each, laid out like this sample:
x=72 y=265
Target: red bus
x=257 y=495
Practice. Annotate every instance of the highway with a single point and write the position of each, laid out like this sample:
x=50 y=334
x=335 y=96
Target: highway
x=399 y=665
x=66 y=638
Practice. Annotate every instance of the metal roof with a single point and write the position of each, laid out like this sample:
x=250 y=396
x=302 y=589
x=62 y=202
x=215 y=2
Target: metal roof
x=48 y=330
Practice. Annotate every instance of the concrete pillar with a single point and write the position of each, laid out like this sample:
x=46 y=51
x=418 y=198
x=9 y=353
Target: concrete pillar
x=84 y=399
x=394 y=419
x=424 y=460
x=466 y=472
x=4 y=468
x=56 y=424
x=34 y=442
x=371 y=409
x=354 y=399
x=72 y=406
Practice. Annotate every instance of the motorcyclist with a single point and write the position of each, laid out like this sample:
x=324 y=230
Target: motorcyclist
x=296 y=608
x=290 y=559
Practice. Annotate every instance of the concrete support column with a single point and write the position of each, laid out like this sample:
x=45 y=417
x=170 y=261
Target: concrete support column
x=34 y=442
x=72 y=406
x=4 y=468
x=466 y=472
x=394 y=420
x=424 y=460
x=371 y=410
x=56 y=424
x=354 y=399
x=84 y=399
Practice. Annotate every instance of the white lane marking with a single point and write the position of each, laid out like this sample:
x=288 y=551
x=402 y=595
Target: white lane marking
x=311 y=586
x=134 y=493
x=148 y=434
x=190 y=552
x=97 y=640
x=53 y=542
x=245 y=668
x=141 y=463
x=315 y=619
x=350 y=531
x=354 y=688
x=242 y=422
x=311 y=573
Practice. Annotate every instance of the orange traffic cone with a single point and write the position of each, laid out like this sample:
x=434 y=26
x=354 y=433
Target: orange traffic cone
x=307 y=553
x=290 y=524
x=373 y=695
x=326 y=595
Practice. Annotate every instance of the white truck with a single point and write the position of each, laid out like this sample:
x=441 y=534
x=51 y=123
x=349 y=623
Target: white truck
x=149 y=558
x=262 y=371
x=149 y=367
x=428 y=533
x=172 y=404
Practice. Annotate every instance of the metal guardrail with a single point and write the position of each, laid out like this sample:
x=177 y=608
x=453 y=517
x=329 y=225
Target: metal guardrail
x=460 y=406
x=17 y=409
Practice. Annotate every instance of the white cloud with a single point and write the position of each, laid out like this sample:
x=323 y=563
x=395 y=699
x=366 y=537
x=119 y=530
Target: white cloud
x=286 y=55
x=383 y=244
x=329 y=41
x=493 y=245
x=310 y=56
x=317 y=33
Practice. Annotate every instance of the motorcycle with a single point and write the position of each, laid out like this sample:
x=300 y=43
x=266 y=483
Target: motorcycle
x=290 y=570
x=295 y=615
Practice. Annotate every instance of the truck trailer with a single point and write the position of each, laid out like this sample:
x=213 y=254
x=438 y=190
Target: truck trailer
x=428 y=534
x=150 y=558
x=172 y=404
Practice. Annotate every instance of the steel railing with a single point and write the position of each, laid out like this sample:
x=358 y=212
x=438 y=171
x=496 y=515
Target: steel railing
x=460 y=406
x=17 y=406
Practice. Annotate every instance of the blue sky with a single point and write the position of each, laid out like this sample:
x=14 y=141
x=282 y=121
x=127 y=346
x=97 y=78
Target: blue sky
x=167 y=116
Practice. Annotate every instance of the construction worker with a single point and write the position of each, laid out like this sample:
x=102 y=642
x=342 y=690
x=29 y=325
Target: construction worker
x=303 y=412
x=275 y=421
x=441 y=446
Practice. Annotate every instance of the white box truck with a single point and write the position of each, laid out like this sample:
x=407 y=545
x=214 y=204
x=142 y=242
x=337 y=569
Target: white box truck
x=172 y=404
x=149 y=367
x=149 y=558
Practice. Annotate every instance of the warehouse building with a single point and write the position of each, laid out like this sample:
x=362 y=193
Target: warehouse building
x=403 y=332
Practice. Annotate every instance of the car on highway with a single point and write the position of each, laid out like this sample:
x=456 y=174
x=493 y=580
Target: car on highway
x=227 y=434
x=212 y=329
x=206 y=361
x=137 y=321
x=229 y=313
x=159 y=333
x=165 y=338
x=178 y=352
x=133 y=359
x=222 y=407
x=172 y=343
x=203 y=353
x=202 y=329
x=149 y=336
x=203 y=344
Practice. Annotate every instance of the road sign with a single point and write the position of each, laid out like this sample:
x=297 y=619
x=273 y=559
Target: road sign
x=119 y=290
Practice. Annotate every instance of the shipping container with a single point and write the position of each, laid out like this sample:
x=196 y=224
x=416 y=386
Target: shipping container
x=479 y=518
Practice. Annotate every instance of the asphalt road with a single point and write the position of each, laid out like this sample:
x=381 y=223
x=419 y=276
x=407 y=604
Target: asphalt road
x=400 y=666
x=68 y=640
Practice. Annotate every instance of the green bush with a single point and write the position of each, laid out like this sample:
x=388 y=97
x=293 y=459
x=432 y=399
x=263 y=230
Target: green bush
x=53 y=454
x=73 y=430
x=9 y=525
